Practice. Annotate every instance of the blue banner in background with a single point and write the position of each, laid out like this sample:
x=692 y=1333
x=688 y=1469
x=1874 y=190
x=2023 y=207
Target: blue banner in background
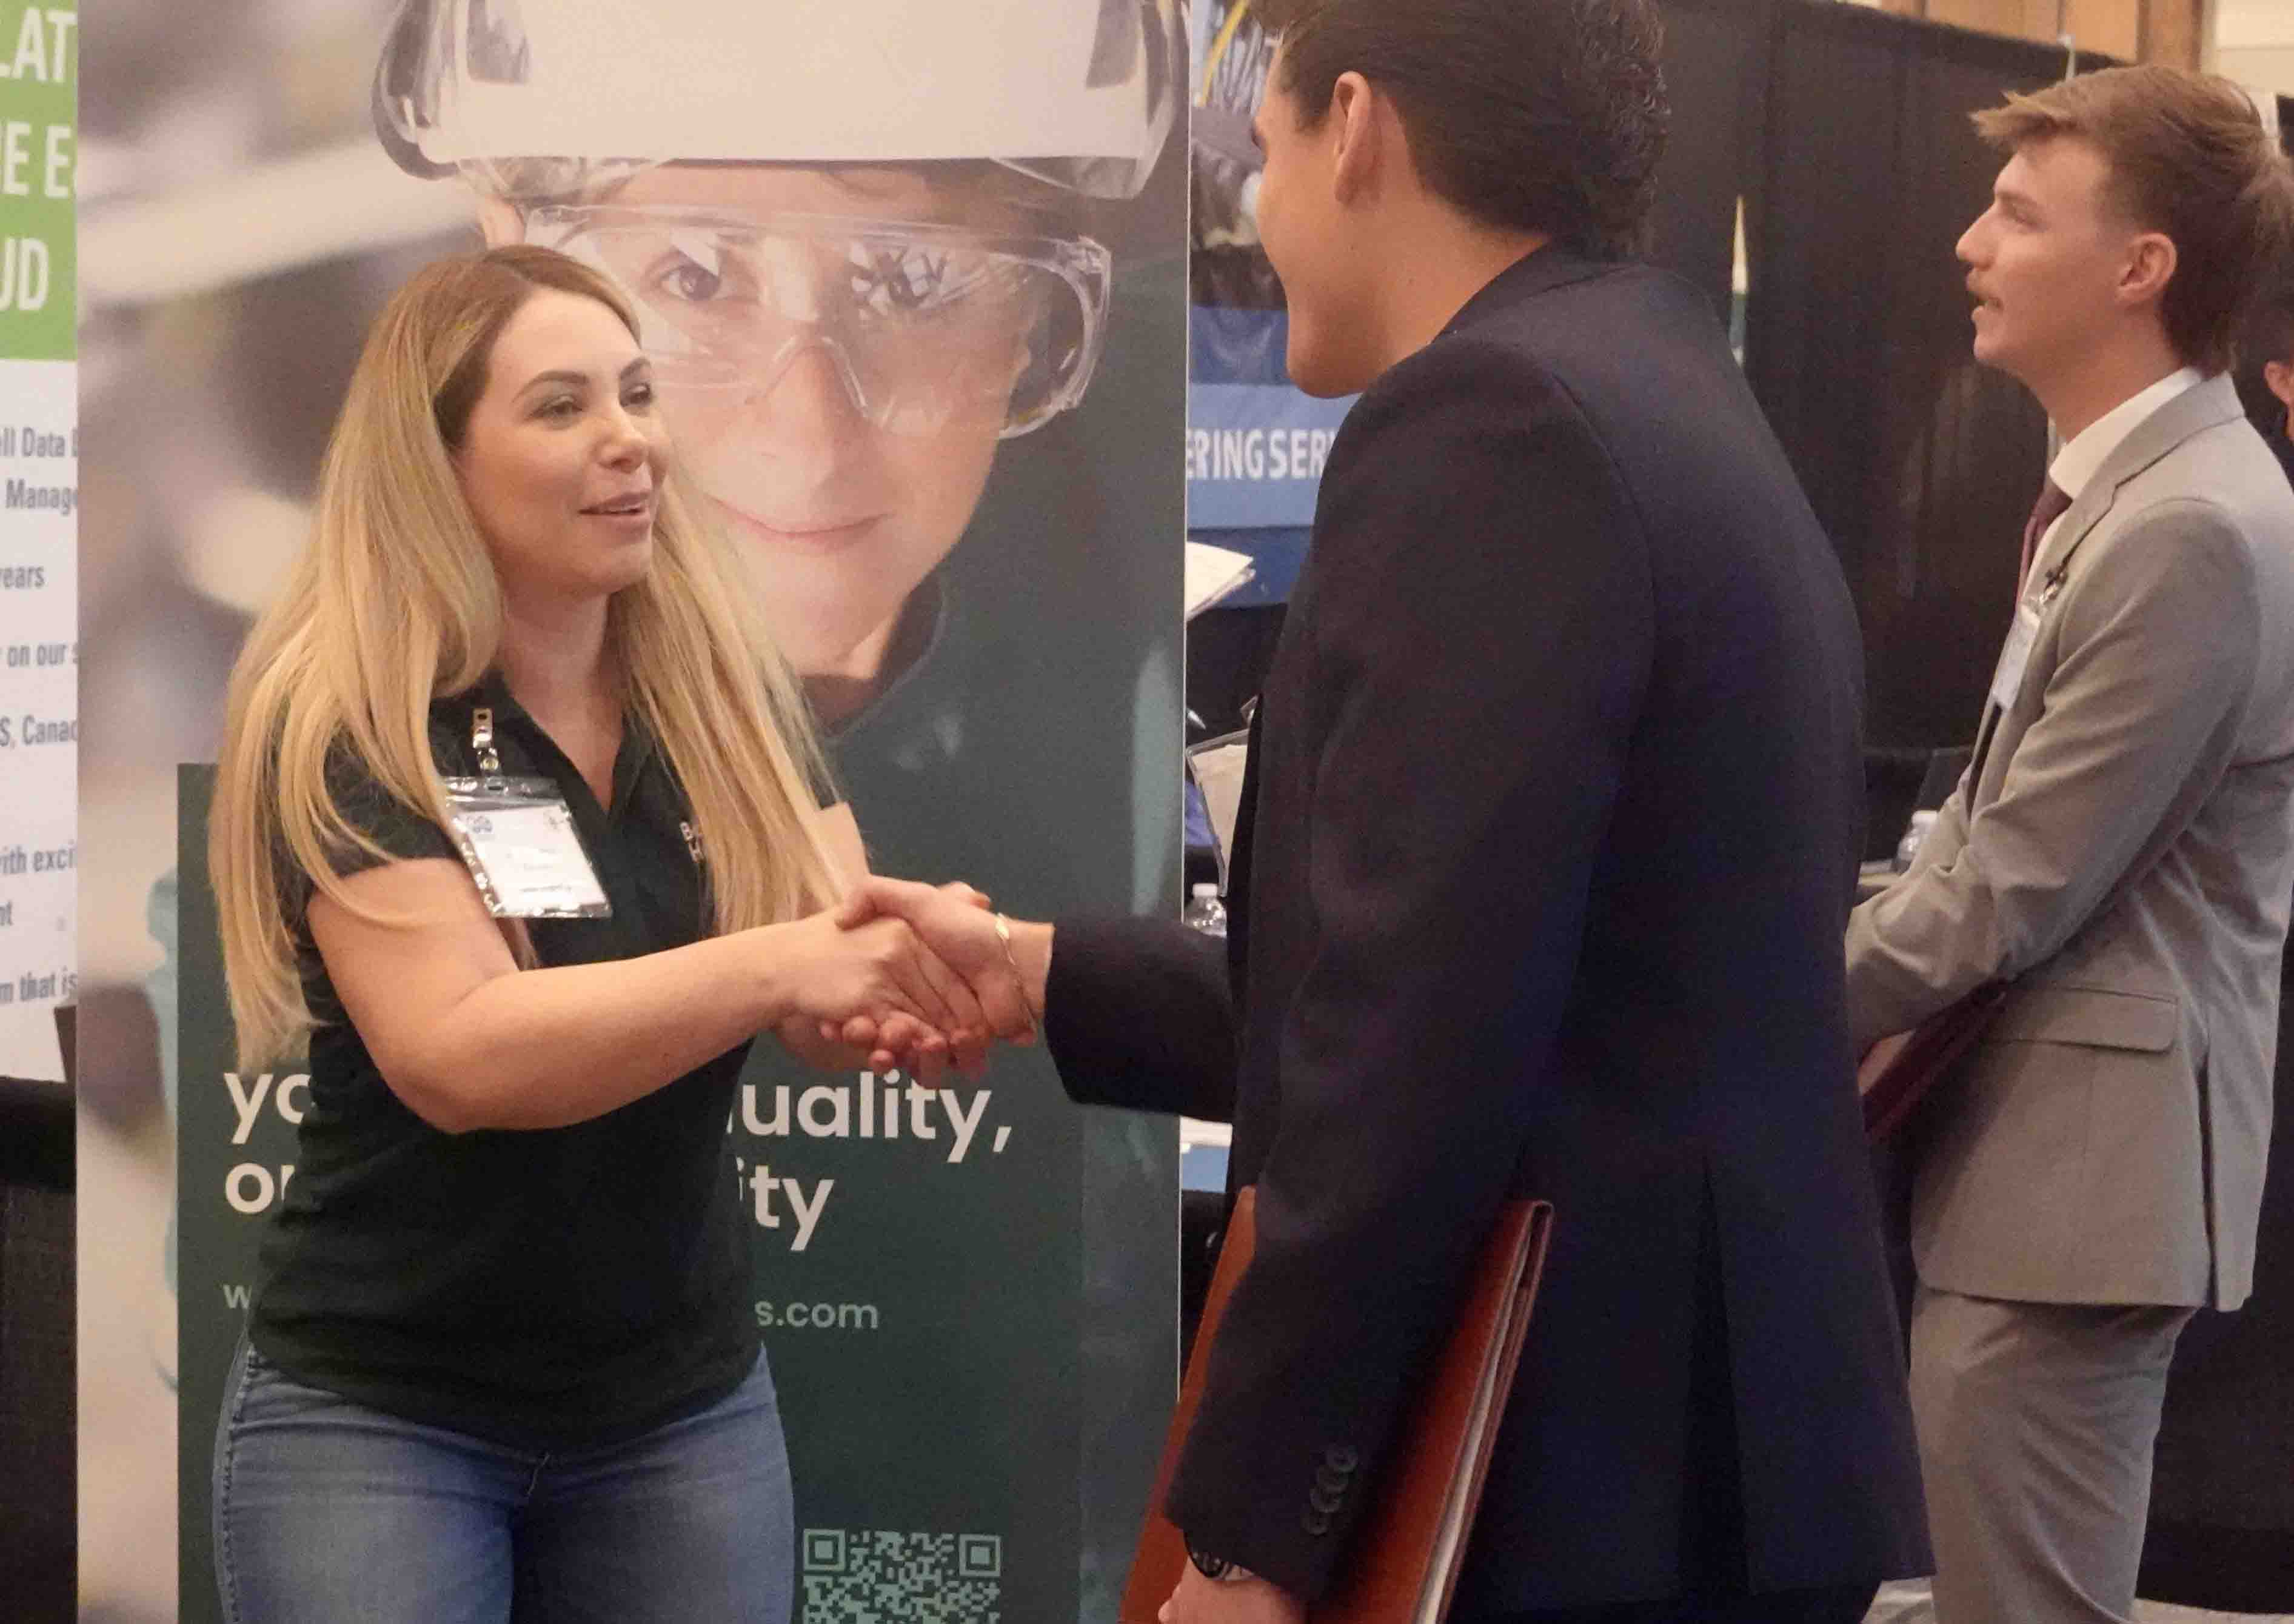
x=1255 y=453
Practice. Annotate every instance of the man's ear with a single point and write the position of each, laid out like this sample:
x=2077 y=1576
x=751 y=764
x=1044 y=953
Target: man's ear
x=499 y=222
x=2151 y=261
x=1355 y=127
x=2278 y=377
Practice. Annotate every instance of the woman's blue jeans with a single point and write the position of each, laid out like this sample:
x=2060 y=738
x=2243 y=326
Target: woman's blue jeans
x=326 y=1511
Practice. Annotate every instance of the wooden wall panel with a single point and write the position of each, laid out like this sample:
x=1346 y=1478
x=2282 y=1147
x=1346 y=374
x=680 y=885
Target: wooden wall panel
x=2020 y=19
x=2132 y=30
x=2174 y=32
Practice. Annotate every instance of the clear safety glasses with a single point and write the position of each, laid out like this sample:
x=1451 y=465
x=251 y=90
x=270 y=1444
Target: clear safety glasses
x=925 y=325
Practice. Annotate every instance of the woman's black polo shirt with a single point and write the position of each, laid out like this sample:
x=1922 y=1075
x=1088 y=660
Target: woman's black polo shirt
x=547 y=1288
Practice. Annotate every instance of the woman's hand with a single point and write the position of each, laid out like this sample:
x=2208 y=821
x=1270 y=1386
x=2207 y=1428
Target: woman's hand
x=879 y=973
x=1005 y=976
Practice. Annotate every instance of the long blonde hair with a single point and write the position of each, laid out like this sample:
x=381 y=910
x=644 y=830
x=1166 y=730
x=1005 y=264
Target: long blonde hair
x=395 y=603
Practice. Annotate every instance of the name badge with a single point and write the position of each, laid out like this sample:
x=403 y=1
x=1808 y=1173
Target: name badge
x=2008 y=681
x=519 y=837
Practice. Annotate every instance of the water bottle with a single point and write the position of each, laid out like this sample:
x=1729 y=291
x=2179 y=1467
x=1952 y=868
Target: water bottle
x=1205 y=912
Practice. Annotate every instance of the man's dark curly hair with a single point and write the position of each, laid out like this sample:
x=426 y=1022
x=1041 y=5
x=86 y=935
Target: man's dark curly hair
x=1531 y=115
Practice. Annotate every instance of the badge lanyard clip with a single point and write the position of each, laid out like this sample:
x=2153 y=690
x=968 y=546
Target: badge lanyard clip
x=481 y=740
x=518 y=836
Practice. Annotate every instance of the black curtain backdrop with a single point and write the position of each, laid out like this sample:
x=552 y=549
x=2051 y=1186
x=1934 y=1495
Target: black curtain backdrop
x=1921 y=465
x=2221 y=1533
x=37 y=1459
x=1715 y=72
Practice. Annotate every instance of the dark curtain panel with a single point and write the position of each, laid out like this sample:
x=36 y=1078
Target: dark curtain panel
x=1715 y=71
x=38 y=1462
x=2221 y=1531
x=1921 y=465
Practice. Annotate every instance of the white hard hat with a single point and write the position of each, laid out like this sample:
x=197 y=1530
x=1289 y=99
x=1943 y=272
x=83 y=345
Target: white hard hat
x=1079 y=93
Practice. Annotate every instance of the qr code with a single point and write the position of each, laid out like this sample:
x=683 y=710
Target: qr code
x=873 y=1575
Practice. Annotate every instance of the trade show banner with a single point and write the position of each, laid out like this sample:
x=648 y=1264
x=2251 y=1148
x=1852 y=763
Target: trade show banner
x=968 y=1297
x=39 y=502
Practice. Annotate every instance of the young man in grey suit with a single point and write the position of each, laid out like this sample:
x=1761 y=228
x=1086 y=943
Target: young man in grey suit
x=2121 y=850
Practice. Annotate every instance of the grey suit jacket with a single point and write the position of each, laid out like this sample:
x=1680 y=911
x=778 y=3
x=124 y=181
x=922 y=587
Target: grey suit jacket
x=2124 y=852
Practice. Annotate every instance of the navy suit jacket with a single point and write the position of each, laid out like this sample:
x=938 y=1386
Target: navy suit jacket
x=1552 y=828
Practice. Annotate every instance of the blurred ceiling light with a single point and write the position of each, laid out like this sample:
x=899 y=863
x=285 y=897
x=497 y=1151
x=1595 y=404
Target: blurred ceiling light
x=237 y=546
x=340 y=201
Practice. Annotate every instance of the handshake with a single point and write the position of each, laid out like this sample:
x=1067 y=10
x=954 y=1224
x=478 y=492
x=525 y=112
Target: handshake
x=908 y=975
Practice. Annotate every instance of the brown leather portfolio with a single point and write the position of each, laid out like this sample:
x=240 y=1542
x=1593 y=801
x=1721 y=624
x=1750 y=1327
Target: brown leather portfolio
x=1403 y=1560
x=1898 y=1071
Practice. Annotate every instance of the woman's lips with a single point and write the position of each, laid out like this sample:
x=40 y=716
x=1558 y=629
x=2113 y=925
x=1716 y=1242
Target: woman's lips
x=636 y=520
x=819 y=537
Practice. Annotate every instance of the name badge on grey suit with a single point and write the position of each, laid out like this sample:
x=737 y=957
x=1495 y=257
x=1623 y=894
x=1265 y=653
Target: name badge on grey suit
x=2008 y=681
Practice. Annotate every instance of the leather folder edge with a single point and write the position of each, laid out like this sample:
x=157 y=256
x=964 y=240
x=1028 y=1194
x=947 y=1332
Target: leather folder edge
x=1539 y=1233
x=1515 y=1248
x=1900 y=1072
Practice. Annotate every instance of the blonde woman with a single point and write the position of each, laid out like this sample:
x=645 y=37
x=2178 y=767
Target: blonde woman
x=501 y=1360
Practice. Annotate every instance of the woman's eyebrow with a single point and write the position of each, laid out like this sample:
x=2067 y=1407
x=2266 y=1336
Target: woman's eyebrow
x=560 y=375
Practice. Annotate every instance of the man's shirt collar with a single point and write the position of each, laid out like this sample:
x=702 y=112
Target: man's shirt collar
x=2079 y=462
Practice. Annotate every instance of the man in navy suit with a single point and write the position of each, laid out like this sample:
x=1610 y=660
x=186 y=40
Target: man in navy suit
x=1551 y=833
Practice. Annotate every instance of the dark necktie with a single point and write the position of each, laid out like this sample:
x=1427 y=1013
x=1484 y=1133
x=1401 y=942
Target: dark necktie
x=2051 y=505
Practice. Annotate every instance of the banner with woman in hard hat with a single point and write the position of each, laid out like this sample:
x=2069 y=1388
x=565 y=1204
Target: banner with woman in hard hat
x=913 y=278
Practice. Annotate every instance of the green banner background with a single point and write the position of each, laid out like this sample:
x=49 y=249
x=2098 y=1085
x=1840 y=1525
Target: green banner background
x=975 y=1348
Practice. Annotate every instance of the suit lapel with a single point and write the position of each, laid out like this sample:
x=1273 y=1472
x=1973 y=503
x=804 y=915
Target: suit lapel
x=2196 y=410
x=2201 y=406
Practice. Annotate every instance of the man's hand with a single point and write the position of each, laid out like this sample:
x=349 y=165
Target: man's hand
x=954 y=922
x=1245 y=1601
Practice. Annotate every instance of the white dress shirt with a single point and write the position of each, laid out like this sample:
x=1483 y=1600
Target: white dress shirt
x=2079 y=462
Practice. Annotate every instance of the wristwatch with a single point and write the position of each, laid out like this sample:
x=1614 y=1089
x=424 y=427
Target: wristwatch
x=1218 y=1570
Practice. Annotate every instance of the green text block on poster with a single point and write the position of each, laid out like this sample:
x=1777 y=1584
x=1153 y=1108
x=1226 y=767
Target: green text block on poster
x=39 y=146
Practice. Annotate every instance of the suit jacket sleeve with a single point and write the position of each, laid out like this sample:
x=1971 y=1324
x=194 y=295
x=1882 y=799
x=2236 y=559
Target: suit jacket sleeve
x=2156 y=660
x=1139 y=1013
x=1481 y=624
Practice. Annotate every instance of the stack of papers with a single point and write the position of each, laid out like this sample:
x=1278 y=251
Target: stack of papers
x=1212 y=573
